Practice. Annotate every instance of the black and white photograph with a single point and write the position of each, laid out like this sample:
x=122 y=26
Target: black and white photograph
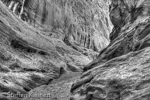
x=74 y=49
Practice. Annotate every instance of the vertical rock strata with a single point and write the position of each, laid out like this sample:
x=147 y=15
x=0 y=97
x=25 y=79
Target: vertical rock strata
x=83 y=23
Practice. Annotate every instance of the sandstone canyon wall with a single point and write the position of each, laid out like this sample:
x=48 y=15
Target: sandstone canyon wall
x=41 y=40
x=82 y=23
x=122 y=69
x=51 y=46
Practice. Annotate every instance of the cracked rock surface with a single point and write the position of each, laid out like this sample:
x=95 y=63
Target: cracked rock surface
x=75 y=49
x=83 y=23
x=121 y=70
x=29 y=59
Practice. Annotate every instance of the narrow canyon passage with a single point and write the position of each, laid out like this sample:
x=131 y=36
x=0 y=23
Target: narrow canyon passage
x=74 y=49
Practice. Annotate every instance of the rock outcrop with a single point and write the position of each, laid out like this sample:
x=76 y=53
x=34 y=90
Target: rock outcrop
x=121 y=71
x=83 y=23
x=130 y=20
x=54 y=50
x=41 y=40
x=29 y=58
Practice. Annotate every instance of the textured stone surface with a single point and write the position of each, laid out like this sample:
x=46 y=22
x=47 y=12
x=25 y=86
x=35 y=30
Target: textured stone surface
x=123 y=78
x=28 y=58
x=57 y=90
x=120 y=72
x=128 y=37
x=83 y=23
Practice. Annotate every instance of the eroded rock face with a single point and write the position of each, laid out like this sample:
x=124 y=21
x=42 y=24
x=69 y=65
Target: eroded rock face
x=83 y=23
x=127 y=36
x=123 y=12
x=123 y=78
x=29 y=58
x=40 y=40
x=121 y=72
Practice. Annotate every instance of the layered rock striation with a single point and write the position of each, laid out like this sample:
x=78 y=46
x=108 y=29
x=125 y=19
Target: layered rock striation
x=53 y=51
x=129 y=20
x=121 y=71
x=29 y=58
x=83 y=23
x=41 y=40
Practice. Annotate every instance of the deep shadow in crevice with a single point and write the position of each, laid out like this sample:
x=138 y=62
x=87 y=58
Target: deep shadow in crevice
x=20 y=46
x=26 y=89
x=42 y=53
x=34 y=70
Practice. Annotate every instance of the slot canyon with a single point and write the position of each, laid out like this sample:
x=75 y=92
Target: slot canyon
x=74 y=49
